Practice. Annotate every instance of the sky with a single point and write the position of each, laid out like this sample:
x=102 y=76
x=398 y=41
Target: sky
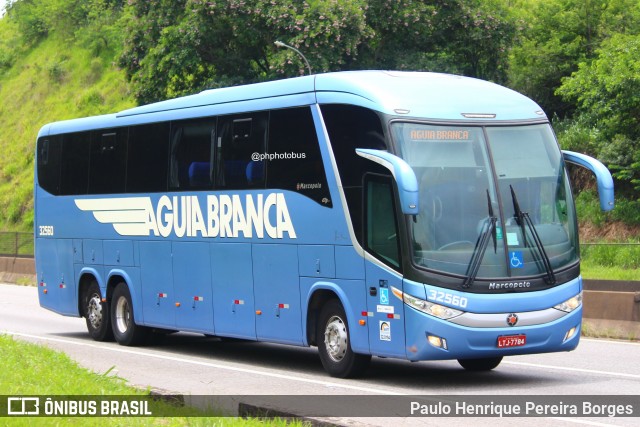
x=2 y=2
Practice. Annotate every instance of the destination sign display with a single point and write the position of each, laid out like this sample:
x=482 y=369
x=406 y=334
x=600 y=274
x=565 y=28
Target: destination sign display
x=440 y=135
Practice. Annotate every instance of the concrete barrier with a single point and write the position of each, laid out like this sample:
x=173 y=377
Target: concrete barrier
x=611 y=308
x=21 y=271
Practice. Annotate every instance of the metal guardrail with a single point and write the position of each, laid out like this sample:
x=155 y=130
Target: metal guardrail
x=16 y=244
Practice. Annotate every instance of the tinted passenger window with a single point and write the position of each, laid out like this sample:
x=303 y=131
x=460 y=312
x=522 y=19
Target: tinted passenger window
x=192 y=145
x=381 y=225
x=74 y=178
x=108 y=161
x=240 y=138
x=148 y=158
x=349 y=128
x=49 y=155
x=294 y=161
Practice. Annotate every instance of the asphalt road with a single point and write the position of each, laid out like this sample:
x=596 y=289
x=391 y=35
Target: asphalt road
x=195 y=365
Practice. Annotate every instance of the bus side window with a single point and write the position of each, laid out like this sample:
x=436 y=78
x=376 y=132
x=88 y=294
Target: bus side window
x=350 y=127
x=74 y=178
x=295 y=162
x=107 y=171
x=381 y=226
x=49 y=157
x=148 y=158
x=240 y=138
x=192 y=144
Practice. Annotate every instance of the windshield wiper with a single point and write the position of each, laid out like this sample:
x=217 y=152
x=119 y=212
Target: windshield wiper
x=488 y=227
x=524 y=220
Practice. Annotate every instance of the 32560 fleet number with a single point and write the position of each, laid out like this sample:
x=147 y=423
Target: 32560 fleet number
x=447 y=298
x=45 y=230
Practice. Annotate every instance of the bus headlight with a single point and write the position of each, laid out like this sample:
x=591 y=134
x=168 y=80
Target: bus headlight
x=437 y=310
x=570 y=304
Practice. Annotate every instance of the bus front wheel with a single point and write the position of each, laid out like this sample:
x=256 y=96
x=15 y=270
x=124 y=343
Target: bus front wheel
x=334 y=345
x=480 y=364
x=96 y=313
x=125 y=330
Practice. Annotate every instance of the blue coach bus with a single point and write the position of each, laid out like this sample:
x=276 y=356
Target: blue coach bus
x=418 y=216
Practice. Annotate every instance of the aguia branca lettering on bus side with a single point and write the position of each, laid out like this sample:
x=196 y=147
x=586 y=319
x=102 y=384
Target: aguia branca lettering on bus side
x=223 y=216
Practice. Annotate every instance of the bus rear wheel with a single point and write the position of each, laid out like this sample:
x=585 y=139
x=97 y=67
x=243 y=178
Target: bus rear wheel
x=125 y=330
x=486 y=364
x=334 y=345
x=96 y=314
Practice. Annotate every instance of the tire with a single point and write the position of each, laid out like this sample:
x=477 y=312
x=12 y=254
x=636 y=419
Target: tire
x=96 y=314
x=125 y=330
x=334 y=345
x=480 y=364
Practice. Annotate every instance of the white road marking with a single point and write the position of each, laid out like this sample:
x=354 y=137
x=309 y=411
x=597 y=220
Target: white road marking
x=211 y=365
x=565 y=368
x=585 y=422
x=327 y=384
x=605 y=341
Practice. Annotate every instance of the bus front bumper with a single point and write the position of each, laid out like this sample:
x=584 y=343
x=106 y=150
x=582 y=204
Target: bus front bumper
x=430 y=338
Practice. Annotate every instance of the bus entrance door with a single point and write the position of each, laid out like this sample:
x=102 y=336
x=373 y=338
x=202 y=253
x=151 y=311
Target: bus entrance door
x=385 y=313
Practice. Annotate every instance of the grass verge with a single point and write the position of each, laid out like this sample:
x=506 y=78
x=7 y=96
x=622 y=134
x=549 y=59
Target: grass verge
x=30 y=369
x=598 y=272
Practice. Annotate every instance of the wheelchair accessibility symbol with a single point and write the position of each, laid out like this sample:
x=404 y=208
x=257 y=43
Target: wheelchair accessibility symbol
x=516 y=259
x=384 y=296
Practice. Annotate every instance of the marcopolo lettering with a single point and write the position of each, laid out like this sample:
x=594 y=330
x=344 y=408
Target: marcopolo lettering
x=509 y=285
x=228 y=216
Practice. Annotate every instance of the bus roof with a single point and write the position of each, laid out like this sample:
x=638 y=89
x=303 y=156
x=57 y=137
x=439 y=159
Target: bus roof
x=412 y=94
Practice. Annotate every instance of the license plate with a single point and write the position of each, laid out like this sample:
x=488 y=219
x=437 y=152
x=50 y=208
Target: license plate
x=512 y=341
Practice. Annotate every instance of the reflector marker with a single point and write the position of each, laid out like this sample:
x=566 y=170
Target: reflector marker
x=283 y=305
x=162 y=295
x=198 y=298
x=62 y=286
x=393 y=316
x=238 y=302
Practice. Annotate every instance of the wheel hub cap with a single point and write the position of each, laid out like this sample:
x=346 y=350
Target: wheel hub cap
x=123 y=315
x=335 y=338
x=94 y=311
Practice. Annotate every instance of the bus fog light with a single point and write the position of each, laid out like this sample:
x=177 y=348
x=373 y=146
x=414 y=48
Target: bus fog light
x=437 y=341
x=570 y=333
x=570 y=304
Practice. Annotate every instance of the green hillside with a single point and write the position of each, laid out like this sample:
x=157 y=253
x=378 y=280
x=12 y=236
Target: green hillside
x=62 y=59
x=57 y=78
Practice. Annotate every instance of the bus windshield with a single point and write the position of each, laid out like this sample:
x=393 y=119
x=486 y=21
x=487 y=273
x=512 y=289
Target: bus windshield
x=494 y=201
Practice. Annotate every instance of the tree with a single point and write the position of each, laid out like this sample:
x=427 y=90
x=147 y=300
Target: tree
x=561 y=34
x=200 y=44
x=212 y=43
x=607 y=93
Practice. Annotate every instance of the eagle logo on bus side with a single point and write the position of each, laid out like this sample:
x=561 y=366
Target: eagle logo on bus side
x=129 y=216
x=183 y=216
